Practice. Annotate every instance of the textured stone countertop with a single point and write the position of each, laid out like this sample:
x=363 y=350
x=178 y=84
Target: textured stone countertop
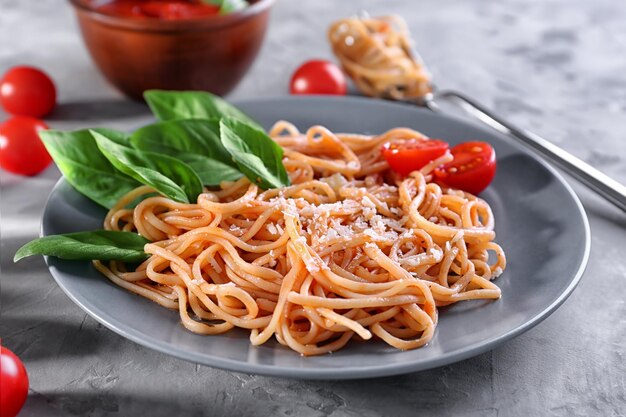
x=557 y=67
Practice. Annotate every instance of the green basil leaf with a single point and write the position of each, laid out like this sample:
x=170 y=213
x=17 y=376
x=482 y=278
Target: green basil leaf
x=103 y=245
x=169 y=176
x=256 y=154
x=116 y=136
x=85 y=168
x=228 y=6
x=195 y=142
x=171 y=105
x=210 y=171
x=198 y=136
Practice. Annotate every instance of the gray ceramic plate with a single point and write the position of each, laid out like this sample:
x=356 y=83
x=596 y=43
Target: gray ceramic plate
x=539 y=222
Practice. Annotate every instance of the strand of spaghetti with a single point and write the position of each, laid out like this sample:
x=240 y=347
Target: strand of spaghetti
x=214 y=308
x=127 y=199
x=471 y=235
x=376 y=54
x=294 y=189
x=225 y=208
x=198 y=310
x=144 y=292
x=396 y=342
x=355 y=326
x=193 y=325
x=216 y=234
x=309 y=350
x=288 y=282
x=378 y=256
x=316 y=267
x=342 y=303
x=259 y=223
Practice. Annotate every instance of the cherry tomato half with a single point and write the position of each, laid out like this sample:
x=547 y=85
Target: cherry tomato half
x=410 y=155
x=472 y=169
x=27 y=91
x=21 y=150
x=318 y=77
x=14 y=382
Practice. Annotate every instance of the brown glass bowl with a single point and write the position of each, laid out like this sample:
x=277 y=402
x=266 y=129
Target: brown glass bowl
x=208 y=53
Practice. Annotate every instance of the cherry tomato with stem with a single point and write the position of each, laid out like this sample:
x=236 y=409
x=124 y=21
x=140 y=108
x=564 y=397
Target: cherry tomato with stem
x=410 y=155
x=471 y=170
x=21 y=150
x=14 y=383
x=318 y=77
x=27 y=91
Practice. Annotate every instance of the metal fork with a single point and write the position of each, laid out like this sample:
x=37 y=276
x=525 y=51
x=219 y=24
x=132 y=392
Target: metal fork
x=599 y=182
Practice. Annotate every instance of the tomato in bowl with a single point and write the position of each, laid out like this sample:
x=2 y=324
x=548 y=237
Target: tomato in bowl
x=172 y=50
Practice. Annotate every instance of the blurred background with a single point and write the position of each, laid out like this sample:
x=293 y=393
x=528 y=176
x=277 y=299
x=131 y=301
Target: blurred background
x=556 y=67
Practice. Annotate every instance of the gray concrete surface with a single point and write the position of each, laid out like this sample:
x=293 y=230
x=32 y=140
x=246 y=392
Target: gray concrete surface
x=555 y=66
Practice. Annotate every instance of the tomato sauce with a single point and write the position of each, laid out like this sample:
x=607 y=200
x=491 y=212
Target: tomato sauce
x=158 y=9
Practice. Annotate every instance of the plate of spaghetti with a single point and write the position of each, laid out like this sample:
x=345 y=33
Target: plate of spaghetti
x=332 y=266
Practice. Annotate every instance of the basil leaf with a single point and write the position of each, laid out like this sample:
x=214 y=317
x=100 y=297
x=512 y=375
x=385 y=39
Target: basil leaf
x=198 y=136
x=85 y=168
x=256 y=154
x=116 y=136
x=228 y=6
x=171 y=105
x=210 y=171
x=103 y=245
x=169 y=176
x=194 y=141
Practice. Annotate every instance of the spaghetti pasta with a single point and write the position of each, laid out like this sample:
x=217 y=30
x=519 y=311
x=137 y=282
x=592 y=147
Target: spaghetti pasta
x=376 y=53
x=349 y=250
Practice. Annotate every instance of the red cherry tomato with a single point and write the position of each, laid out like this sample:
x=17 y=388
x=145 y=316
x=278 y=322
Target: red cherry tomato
x=472 y=169
x=410 y=155
x=318 y=77
x=14 y=383
x=177 y=10
x=27 y=91
x=159 y=9
x=21 y=150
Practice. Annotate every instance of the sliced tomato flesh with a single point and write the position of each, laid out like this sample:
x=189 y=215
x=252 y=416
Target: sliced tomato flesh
x=406 y=156
x=471 y=170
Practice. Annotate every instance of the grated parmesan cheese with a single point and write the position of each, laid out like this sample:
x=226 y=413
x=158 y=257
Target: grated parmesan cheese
x=272 y=228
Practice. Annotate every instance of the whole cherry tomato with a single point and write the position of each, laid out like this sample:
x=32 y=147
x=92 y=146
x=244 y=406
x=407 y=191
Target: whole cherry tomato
x=411 y=155
x=14 y=383
x=159 y=9
x=21 y=150
x=177 y=10
x=27 y=91
x=472 y=169
x=318 y=77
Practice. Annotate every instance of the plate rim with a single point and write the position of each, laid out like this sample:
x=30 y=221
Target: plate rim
x=351 y=372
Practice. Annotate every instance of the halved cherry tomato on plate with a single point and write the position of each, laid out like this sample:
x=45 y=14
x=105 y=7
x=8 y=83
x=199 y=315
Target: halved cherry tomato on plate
x=21 y=150
x=318 y=77
x=27 y=91
x=14 y=383
x=472 y=169
x=410 y=155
